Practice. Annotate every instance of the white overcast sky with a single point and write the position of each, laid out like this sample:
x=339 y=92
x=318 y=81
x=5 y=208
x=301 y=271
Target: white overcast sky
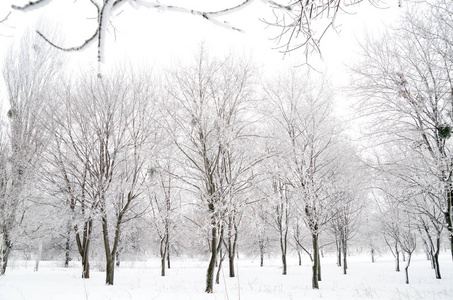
x=161 y=38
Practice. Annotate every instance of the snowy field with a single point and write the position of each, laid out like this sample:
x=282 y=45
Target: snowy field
x=186 y=279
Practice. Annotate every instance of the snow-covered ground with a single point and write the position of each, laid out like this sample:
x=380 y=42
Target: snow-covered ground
x=186 y=279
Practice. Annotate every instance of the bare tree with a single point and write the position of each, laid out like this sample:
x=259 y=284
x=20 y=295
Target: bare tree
x=302 y=113
x=211 y=99
x=408 y=76
x=29 y=71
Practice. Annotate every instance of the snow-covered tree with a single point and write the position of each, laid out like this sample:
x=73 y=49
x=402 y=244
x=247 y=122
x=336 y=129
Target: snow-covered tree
x=208 y=102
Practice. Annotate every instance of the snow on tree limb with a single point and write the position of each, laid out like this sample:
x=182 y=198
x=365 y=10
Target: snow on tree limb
x=104 y=13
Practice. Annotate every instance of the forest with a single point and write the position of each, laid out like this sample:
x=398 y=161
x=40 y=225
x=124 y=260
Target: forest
x=212 y=160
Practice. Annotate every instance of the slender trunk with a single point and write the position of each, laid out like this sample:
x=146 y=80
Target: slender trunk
x=222 y=257
x=212 y=261
x=162 y=268
x=117 y=258
x=5 y=247
x=38 y=257
x=436 y=265
x=168 y=255
x=231 y=245
x=83 y=245
x=261 y=246
x=163 y=254
x=109 y=256
x=319 y=265
x=407 y=267
x=372 y=256
x=283 y=244
x=448 y=215
x=397 y=257
x=68 y=246
x=300 y=257
x=345 y=262
x=339 y=252
x=315 y=284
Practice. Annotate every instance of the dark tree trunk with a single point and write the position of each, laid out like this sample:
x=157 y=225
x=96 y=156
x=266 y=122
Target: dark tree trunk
x=232 y=244
x=339 y=253
x=397 y=258
x=448 y=216
x=299 y=257
x=222 y=257
x=372 y=255
x=67 y=249
x=283 y=247
x=168 y=256
x=315 y=284
x=435 y=258
x=345 y=262
x=261 y=245
x=109 y=256
x=407 y=267
x=319 y=265
x=4 y=252
x=212 y=261
x=117 y=258
x=162 y=266
x=83 y=245
x=163 y=254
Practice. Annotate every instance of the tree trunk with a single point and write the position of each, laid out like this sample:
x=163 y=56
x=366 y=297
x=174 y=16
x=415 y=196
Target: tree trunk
x=261 y=245
x=117 y=258
x=404 y=255
x=212 y=261
x=163 y=254
x=372 y=255
x=300 y=257
x=319 y=265
x=83 y=245
x=5 y=247
x=222 y=257
x=448 y=215
x=407 y=267
x=339 y=253
x=68 y=246
x=109 y=256
x=283 y=246
x=345 y=262
x=397 y=258
x=110 y=270
x=435 y=258
x=315 y=284
x=38 y=257
x=168 y=255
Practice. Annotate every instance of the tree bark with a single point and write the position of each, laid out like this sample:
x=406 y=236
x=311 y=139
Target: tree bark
x=5 y=247
x=212 y=261
x=397 y=258
x=222 y=257
x=345 y=262
x=68 y=246
x=261 y=246
x=407 y=267
x=315 y=284
x=319 y=265
x=299 y=257
x=83 y=245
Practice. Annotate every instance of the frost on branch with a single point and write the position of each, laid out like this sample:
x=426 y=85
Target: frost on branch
x=108 y=7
